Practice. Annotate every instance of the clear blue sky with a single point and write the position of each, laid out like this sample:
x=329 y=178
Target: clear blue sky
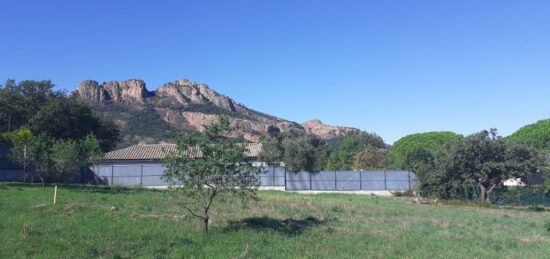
x=390 y=67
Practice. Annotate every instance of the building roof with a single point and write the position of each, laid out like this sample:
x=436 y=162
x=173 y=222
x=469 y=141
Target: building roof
x=160 y=151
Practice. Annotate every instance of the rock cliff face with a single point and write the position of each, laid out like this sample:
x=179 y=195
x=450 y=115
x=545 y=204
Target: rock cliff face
x=316 y=127
x=127 y=92
x=185 y=92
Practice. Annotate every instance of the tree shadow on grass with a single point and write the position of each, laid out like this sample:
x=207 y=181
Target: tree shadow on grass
x=289 y=227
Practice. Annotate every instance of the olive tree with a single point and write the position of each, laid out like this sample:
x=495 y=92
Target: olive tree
x=208 y=165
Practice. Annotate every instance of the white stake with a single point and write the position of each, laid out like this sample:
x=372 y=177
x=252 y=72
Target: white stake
x=54 y=194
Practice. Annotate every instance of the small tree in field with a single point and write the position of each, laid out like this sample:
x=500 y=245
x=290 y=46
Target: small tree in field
x=209 y=165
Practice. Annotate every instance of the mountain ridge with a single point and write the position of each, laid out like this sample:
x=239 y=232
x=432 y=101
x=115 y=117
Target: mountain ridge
x=183 y=105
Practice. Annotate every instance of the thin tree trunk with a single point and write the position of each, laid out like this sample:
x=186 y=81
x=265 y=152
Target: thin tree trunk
x=206 y=224
x=489 y=191
x=482 y=193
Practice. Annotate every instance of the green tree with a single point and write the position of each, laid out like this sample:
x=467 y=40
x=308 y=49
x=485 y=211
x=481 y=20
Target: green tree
x=371 y=158
x=69 y=119
x=67 y=156
x=272 y=149
x=536 y=135
x=209 y=165
x=20 y=101
x=344 y=155
x=299 y=152
x=34 y=154
x=302 y=153
x=486 y=161
x=428 y=141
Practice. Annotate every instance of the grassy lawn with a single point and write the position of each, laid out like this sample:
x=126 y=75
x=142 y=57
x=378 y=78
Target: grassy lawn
x=150 y=224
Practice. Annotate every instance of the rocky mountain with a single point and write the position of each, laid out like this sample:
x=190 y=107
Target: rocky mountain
x=316 y=127
x=153 y=116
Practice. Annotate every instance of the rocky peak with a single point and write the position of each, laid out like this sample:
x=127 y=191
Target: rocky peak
x=128 y=92
x=317 y=127
x=186 y=92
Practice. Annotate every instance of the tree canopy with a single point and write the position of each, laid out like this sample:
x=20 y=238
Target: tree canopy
x=348 y=147
x=428 y=141
x=536 y=135
x=482 y=160
x=37 y=106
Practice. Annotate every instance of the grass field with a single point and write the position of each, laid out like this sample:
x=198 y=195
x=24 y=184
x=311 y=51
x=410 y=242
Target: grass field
x=150 y=224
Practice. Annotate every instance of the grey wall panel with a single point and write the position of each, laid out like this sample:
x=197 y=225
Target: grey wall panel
x=266 y=174
x=397 y=185
x=373 y=175
x=348 y=176
x=127 y=181
x=266 y=181
x=103 y=170
x=153 y=181
x=323 y=175
x=348 y=185
x=127 y=170
x=397 y=175
x=279 y=181
x=322 y=185
x=153 y=169
x=297 y=185
x=373 y=185
x=279 y=171
x=299 y=176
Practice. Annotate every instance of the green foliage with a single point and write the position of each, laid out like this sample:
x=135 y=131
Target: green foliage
x=208 y=166
x=482 y=161
x=66 y=156
x=19 y=102
x=537 y=135
x=55 y=160
x=371 y=158
x=36 y=106
x=428 y=142
x=299 y=152
x=302 y=153
x=69 y=119
x=344 y=155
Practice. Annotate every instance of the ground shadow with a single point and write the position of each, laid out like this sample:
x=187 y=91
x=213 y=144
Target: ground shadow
x=285 y=226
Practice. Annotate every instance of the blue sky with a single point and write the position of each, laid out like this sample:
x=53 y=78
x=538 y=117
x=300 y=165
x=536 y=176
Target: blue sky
x=390 y=67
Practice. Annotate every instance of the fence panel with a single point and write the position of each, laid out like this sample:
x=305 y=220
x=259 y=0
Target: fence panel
x=279 y=176
x=323 y=180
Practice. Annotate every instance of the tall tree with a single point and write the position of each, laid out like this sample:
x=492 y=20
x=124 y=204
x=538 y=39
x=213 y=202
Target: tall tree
x=68 y=119
x=486 y=161
x=302 y=153
x=20 y=101
x=208 y=166
x=299 y=152
x=344 y=155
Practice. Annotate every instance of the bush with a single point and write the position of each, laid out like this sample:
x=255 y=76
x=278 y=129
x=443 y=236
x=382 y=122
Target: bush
x=536 y=208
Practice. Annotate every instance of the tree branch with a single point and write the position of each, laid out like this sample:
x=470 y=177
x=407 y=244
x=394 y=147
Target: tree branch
x=191 y=211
